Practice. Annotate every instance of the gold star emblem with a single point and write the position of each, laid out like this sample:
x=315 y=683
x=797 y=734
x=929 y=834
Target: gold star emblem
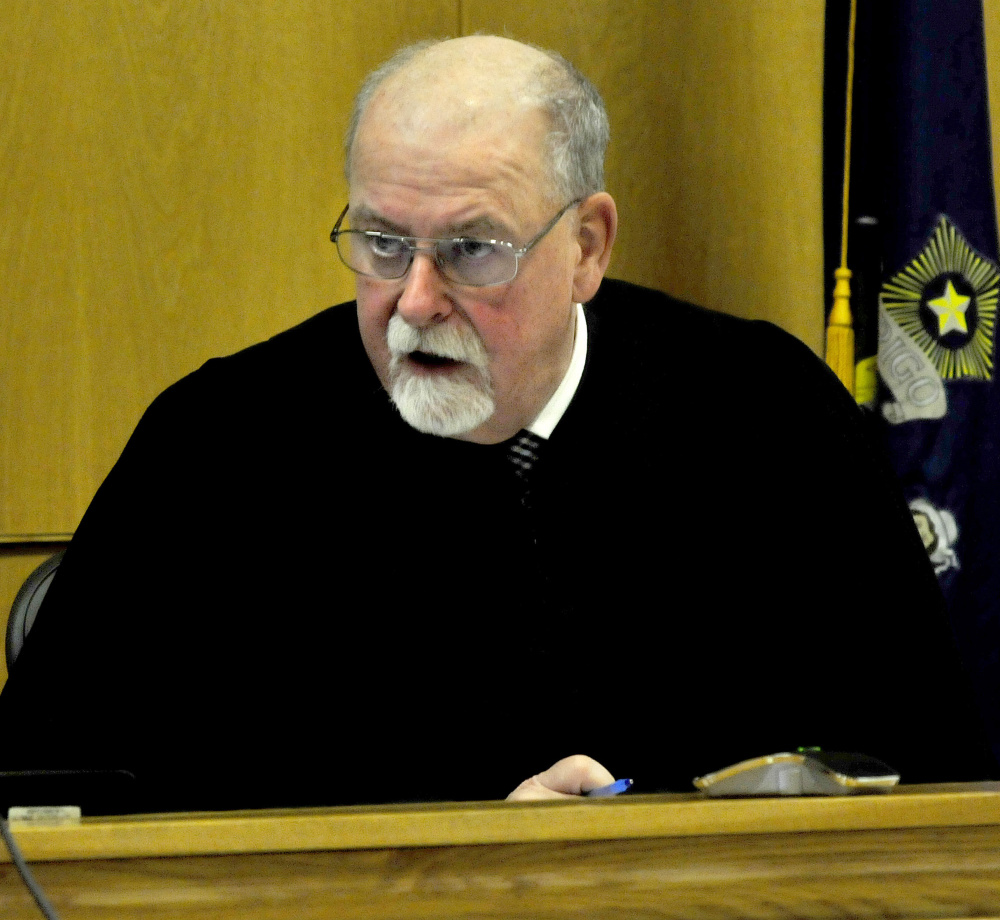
x=905 y=297
x=950 y=310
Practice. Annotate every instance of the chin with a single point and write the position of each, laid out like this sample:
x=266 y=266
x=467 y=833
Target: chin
x=446 y=405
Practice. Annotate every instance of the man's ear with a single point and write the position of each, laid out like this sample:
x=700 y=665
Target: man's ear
x=598 y=218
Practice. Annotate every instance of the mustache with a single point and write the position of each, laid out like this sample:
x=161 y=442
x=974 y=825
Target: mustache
x=455 y=342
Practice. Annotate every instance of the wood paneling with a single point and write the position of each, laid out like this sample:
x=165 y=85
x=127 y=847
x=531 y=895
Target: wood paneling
x=363 y=827
x=170 y=173
x=716 y=152
x=991 y=14
x=916 y=853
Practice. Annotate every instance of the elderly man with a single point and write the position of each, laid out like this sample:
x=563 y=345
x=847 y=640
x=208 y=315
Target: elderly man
x=423 y=546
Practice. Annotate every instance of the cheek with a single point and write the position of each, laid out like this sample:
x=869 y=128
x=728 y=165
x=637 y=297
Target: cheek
x=499 y=327
x=512 y=344
x=538 y=323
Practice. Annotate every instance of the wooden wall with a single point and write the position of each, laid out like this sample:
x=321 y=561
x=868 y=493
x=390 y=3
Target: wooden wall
x=170 y=173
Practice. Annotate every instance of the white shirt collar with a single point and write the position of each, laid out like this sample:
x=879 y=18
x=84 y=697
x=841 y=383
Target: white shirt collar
x=548 y=418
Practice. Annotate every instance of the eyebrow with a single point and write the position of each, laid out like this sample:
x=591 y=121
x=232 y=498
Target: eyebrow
x=478 y=228
x=365 y=219
x=481 y=228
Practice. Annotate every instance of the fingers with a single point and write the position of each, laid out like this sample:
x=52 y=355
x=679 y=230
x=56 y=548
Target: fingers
x=570 y=777
x=531 y=790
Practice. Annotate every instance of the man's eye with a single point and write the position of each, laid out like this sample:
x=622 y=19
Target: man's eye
x=472 y=250
x=386 y=247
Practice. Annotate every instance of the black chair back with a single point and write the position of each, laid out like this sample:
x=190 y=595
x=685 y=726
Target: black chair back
x=26 y=604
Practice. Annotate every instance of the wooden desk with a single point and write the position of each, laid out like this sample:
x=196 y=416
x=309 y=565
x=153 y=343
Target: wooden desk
x=920 y=852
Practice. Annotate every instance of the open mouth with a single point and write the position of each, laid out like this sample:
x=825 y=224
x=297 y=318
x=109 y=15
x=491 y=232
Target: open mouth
x=425 y=359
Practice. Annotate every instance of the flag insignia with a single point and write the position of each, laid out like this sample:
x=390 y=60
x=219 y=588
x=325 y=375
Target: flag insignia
x=939 y=533
x=945 y=300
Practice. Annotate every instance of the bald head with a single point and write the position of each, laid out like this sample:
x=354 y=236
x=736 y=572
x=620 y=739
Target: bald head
x=448 y=91
x=475 y=70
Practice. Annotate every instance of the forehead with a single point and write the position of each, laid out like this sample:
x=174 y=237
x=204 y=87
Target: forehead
x=454 y=159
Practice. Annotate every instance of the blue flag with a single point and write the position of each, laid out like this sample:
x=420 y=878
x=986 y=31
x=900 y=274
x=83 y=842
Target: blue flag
x=925 y=183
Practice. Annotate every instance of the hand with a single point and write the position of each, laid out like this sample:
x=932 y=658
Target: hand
x=567 y=779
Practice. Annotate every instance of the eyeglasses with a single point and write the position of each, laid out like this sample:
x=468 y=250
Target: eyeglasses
x=476 y=263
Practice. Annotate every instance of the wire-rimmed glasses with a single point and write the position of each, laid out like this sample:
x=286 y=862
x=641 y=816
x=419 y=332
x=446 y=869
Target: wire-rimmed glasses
x=472 y=262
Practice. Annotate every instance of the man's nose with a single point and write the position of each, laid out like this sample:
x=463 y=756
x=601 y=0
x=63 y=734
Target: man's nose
x=424 y=300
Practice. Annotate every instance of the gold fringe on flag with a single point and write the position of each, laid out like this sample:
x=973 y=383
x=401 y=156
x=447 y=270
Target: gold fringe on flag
x=840 y=327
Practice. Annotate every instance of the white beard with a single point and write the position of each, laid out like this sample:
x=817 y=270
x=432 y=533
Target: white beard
x=445 y=404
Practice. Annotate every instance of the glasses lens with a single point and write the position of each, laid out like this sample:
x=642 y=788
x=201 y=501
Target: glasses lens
x=476 y=262
x=377 y=254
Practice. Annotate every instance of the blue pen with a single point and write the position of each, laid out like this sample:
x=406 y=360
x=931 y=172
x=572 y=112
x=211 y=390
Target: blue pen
x=616 y=788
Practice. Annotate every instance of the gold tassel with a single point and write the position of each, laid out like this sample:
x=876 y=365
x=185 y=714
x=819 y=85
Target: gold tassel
x=840 y=332
x=840 y=326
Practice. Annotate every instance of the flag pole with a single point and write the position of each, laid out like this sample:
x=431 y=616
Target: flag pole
x=840 y=328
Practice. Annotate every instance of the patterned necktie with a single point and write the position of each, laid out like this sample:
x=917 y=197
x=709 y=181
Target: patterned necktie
x=523 y=453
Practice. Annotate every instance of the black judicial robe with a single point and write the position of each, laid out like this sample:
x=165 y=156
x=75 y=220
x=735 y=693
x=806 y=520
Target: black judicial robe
x=283 y=595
